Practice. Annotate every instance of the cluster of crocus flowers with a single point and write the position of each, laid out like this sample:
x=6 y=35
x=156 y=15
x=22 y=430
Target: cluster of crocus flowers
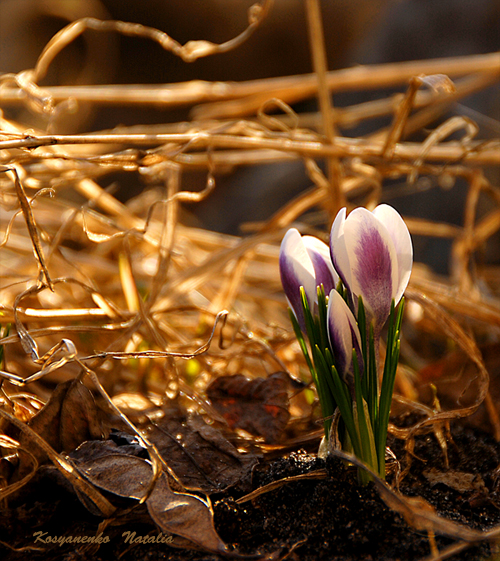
x=341 y=296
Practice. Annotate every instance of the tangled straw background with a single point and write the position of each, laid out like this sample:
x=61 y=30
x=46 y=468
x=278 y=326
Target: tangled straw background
x=129 y=295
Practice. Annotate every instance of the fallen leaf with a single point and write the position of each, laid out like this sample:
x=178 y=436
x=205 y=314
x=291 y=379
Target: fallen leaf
x=80 y=417
x=111 y=467
x=259 y=406
x=458 y=480
x=198 y=454
x=69 y=418
x=120 y=474
x=119 y=442
x=184 y=515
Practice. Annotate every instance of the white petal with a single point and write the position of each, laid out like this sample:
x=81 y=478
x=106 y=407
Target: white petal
x=338 y=248
x=400 y=235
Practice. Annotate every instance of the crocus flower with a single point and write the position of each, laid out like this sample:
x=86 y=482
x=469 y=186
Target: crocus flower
x=343 y=333
x=305 y=261
x=373 y=254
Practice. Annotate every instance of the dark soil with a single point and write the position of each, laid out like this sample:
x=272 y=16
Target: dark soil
x=331 y=518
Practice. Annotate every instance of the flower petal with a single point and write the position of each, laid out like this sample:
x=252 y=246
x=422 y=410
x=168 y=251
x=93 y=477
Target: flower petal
x=373 y=263
x=319 y=252
x=400 y=236
x=296 y=270
x=341 y=326
x=338 y=250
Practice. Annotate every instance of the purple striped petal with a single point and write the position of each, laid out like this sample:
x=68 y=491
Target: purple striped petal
x=365 y=257
x=400 y=236
x=343 y=332
x=319 y=252
x=296 y=270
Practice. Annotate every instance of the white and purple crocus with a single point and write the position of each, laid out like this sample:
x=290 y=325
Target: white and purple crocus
x=352 y=288
x=372 y=254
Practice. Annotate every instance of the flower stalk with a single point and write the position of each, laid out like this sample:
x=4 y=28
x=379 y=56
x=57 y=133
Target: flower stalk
x=339 y=331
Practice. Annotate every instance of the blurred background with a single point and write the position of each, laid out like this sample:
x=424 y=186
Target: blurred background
x=356 y=32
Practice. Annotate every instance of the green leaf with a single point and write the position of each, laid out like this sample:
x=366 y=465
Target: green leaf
x=300 y=339
x=324 y=342
x=373 y=383
x=342 y=397
x=364 y=347
x=323 y=393
x=311 y=328
x=362 y=421
x=326 y=394
x=389 y=377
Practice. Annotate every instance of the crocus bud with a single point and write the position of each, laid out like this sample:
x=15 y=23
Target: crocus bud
x=305 y=261
x=343 y=333
x=373 y=254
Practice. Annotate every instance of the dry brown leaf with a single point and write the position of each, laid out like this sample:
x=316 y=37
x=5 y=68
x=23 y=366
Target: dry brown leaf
x=184 y=515
x=120 y=474
x=458 y=480
x=69 y=417
x=199 y=454
x=259 y=406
